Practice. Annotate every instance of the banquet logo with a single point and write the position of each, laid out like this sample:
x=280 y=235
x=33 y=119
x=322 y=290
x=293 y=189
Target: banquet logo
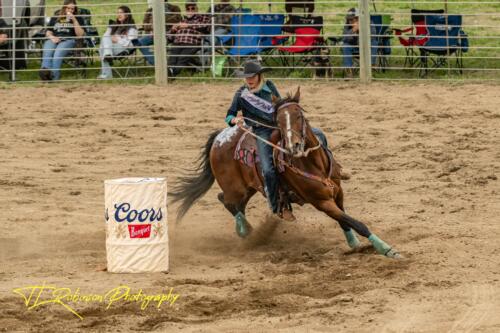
x=124 y=212
x=139 y=230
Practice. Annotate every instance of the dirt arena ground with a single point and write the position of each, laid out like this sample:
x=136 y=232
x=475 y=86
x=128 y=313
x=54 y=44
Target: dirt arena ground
x=425 y=161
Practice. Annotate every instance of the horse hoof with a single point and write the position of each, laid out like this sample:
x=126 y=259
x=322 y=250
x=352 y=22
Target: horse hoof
x=244 y=230
x=393 y=254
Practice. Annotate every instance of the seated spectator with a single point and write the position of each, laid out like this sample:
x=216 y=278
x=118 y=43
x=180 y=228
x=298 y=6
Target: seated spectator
x=62 y=31
x=172 y=17
x=350 y=38
x=117 y=38
x=222 y=19
x=3 y=38
x=187 y=37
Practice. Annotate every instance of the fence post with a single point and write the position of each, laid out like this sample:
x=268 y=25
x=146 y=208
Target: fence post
x=212 y=36
x=160 y=42
x=13 y=41
x=365 y=63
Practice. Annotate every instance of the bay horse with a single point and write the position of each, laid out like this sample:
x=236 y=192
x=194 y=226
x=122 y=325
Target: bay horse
x=308 y=172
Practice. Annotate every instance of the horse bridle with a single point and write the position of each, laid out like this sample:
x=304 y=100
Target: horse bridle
x=290 y=131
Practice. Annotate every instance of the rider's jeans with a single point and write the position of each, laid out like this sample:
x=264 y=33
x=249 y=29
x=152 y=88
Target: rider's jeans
x=269 y=171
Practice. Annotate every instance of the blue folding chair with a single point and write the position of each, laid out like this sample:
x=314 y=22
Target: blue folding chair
x=382 y=38
x=251 y=35
x=446 y=38
x=271 y=27
x=245 y=29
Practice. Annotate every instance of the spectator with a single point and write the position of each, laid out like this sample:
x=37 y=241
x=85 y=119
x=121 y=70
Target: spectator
x=187 y=38
x=172 y=17
x=63 y=30
x=222 y=18
x=117 y=38
x=3 y=32
x=3 y=38
x=350 y=38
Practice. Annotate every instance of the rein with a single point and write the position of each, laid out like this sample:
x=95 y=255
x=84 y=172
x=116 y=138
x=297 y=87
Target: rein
x=284 y=151
x=261 y=124
x=325 y=181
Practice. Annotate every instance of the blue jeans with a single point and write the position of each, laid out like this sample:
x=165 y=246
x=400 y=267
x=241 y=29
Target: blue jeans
x=321 y=136
x=108 y=48
x=145 y=43
x=269 y=172
x=349 y=50
x=54 y=54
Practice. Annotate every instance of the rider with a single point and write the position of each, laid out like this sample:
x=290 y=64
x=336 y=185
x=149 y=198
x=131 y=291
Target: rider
x=254 y=99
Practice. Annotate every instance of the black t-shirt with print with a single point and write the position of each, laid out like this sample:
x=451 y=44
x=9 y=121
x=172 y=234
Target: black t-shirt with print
x=62 y=28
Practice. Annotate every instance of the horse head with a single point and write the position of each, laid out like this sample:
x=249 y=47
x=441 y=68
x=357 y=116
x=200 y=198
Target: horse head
x=292 y=123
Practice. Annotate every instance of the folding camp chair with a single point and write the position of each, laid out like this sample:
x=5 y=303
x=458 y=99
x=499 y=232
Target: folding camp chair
x=382 y=38
x=8 y=56
x=251 y=36
x=416 y=35
x=271 y=25
x=127 y=60
x=245 y=30
x=295 y=6
x=306 y=40
x=445 y=40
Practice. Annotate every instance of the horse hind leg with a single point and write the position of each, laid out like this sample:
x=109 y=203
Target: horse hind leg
x=236 y=203
x=331 y=209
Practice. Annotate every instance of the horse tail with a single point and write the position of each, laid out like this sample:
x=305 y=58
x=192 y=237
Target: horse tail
x=193 y=186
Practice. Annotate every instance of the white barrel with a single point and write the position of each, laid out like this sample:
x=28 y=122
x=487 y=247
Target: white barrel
x=136 y=225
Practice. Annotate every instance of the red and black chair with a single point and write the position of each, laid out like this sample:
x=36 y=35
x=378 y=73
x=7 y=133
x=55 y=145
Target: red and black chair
x=305 y=35
x=415 y=36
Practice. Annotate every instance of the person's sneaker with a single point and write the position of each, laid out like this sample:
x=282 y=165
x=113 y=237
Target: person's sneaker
x=45 y=74
x=104 y=77
x=287 y=215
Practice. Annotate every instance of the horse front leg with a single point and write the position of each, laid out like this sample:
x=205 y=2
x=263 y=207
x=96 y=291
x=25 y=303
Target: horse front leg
x=331 y=209
x=350 y=236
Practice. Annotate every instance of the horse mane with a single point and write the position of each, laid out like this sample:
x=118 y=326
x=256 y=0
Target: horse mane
x=288 y=99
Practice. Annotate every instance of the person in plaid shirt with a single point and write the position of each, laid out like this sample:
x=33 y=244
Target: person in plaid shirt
x=187 y=37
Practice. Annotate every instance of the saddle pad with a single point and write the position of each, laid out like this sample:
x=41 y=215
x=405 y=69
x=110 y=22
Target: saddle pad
x=246 y=150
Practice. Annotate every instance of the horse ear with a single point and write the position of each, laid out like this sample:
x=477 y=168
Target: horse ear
x=297 y=94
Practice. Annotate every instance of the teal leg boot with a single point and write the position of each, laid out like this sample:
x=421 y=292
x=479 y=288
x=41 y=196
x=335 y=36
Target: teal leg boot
x=352 y=240
x=383 y=248
x=243 y=228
